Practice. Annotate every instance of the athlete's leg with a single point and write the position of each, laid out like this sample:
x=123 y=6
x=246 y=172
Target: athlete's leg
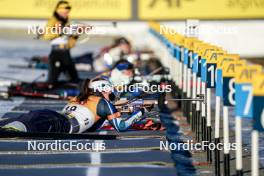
x=70 y=67
x=13 y=124
x=39 y=121
x=54 y=66
x=48 y=121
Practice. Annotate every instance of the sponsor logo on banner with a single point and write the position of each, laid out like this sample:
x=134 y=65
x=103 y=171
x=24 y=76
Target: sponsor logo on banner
x=81 y=9
x=200 y=9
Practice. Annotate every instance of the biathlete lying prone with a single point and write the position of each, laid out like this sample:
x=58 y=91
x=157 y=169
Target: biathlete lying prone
x=86 y=112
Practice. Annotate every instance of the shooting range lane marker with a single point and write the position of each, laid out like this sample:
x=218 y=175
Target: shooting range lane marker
x=194 y=88
x=217 y=134
x=238 y=131
x=208 y=122
x=180 y=78
x=243 y=109
x=229 y=70
x=189 y=93
x=203 y=112
x=226 y=141
x=210 y=84
x=193 y=102
x=218 y=93
x=255 y=153
x=258 y=120
x=198 y=110
x=185 y=81
x=178 y=67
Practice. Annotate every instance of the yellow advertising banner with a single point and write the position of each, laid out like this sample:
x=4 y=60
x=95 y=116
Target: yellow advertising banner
x=189 y=42
x=229 y=68
x=81 y=9
x=246 y=73
x=258 y=85
x=226 y=58
x=207 y=49
x=201 y=9
x=212 y=56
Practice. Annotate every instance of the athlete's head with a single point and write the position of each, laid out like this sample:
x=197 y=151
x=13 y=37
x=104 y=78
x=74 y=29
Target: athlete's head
x=123 y=44
x=98 y=87
x=120 y=48
x=63 y=9
x=122 y=73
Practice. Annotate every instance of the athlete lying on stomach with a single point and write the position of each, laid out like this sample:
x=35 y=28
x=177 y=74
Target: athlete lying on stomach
x=86 y=112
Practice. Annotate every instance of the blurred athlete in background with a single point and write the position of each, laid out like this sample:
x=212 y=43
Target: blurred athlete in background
x=108 y=56
x=60 y=58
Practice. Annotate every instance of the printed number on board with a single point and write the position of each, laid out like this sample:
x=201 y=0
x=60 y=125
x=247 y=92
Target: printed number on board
x=211 y=75
x=248 y=89
x=232 y=91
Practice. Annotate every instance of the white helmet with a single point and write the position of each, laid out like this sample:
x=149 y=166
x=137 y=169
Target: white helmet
x=117 y=78
x=101 y=86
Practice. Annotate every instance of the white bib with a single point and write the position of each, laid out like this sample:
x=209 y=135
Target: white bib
x=63 y=40
x=82 y=114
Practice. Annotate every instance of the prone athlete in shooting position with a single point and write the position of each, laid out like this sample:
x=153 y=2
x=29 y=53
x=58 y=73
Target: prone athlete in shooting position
x=86 y=112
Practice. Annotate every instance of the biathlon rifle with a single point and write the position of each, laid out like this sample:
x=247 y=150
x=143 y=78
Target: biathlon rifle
x=131 y=105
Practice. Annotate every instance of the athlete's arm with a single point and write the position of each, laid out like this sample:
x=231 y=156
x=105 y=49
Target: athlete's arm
x=107 y=109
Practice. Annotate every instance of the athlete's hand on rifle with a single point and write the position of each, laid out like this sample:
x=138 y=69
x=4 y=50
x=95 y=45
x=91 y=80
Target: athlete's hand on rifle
x=127 y=106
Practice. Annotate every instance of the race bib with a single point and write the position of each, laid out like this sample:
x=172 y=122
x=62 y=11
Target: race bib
x=81 y=118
